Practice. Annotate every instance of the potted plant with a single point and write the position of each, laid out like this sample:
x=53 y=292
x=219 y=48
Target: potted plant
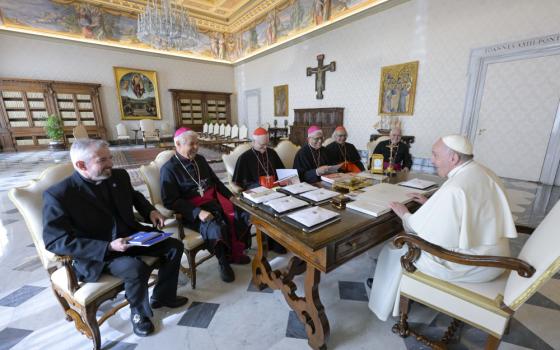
x=55 y=131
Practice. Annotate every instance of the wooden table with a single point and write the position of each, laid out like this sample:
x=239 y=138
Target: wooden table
x=320 y=251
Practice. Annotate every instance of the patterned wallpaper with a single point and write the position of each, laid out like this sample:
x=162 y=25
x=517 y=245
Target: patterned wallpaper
x=438 y=33
x=39 y=58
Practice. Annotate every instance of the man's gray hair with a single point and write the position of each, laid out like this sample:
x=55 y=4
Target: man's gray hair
x=84 y=149
x=182 y=138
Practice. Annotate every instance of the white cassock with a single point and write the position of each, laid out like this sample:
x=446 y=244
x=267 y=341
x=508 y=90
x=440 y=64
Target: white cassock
x=469 y=214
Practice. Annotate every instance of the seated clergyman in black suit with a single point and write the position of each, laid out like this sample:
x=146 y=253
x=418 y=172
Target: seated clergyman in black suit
x=89 y=216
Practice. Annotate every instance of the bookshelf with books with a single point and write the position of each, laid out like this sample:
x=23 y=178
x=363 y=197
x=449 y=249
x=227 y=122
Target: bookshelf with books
x=25 y=105
x=194 y=108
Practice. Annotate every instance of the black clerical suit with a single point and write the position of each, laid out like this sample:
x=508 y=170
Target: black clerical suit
x=338 y=153
x=307 y=161
x=402 y=156
x=82 y=217
x=250 y=165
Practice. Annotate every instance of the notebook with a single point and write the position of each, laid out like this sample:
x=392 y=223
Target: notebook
x=418 y=183
x=319 y=195
x=314 y=218
x=299 y=188
x=284 y=204
x=146 y=239
x=261 y=194
x=375 y=200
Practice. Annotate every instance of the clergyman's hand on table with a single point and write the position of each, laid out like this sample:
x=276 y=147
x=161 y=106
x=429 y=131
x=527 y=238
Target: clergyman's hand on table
x=119 y=244
x=157 y=219
x=322 y=170
x=205 y=216
x=417 y=197
x=399 y=209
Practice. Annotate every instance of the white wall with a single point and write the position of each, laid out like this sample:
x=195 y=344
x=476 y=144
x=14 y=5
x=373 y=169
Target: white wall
x=50 y=59
x=438 y=33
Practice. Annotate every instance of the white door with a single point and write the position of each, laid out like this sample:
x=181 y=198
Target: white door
x=252 y=104
x=518 y=108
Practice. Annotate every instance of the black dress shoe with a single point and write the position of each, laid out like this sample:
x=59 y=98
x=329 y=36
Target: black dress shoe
x=141 y=325
x=177 y=302
x=369 y=282
x=226 y=273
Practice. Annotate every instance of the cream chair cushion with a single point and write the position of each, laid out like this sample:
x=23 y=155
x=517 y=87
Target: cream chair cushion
x=29 y=202
x=230 y=160
x=372 y=144
x=234 y=132
x=328 y=141
x=149 y=129
x=80 y=132
x=243 y=133
x=287 y=152
x=542 y=252
x=122 y=132
x=227 y=131
x=474 y=303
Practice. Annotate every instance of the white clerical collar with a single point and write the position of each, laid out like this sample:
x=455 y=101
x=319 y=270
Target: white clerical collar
x=458 y=168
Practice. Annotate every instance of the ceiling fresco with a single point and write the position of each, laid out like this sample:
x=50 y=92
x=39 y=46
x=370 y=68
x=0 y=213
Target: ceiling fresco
x=229 y=30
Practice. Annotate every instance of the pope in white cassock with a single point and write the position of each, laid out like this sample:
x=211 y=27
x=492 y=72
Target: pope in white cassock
x=469 y=214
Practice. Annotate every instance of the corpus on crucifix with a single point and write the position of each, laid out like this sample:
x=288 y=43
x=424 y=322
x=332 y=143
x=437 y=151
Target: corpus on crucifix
x=319 y=72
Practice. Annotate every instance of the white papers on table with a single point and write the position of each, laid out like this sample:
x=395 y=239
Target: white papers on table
x=375 y=199
x=287 y=174
x=261 y=194
x=331 y=178
x=369 y=175
x=319 y=195
x=299 y=188
x=313 y=216
x=418 y=183
x=284 y=204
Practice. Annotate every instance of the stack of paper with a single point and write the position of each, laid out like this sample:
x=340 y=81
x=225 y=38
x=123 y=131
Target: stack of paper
x=299 y=188
x=319 y=195
x=375 y=200
x=369 y=175
x=261 y=194
x=284 y=204
x=313 y=216
x=417 y=183
x=331 y=178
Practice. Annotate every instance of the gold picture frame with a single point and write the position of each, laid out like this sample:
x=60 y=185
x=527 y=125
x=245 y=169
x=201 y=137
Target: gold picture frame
x=137 y=93
x=281 y=101
x=397 y=89
x=377 y=163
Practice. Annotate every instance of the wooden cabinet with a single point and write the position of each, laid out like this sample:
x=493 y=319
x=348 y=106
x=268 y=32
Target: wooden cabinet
x=326 y=118
x=194 y=108
x=25 y=105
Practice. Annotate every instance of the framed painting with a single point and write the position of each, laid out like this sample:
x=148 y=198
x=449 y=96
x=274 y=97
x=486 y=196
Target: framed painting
x=398 y=88
x=137 y=93
x=281 y=101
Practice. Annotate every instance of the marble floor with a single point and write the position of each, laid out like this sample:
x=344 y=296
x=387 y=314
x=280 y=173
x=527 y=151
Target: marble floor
x=236 y=315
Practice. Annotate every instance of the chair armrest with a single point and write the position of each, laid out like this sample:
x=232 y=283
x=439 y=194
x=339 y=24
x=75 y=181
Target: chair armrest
x=524 y=229
x=416 y=245
x=66 y=262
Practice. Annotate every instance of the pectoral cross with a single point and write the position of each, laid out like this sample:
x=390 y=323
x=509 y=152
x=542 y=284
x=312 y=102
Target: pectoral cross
x=391 y=169
x=319 y=72
x=201 y=191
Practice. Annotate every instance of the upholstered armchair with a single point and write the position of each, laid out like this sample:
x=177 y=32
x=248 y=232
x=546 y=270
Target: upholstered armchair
x=79 y=300
x=287 y=152
x=122 y=133
x=230 y=160
x=192 y=240
x=487 y=306
x=149 y=132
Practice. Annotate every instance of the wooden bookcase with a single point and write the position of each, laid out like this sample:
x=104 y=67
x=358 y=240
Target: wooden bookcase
x=326 y=118
x=25 y=105
x=194 y=108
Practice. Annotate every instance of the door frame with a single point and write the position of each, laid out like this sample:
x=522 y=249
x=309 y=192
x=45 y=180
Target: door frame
x=479 y=60
x=247 y=94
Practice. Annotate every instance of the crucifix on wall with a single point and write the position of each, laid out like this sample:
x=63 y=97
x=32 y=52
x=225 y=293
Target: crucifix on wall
x=319 y=72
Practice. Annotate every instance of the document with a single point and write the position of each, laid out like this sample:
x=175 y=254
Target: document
x=287 y=176
x=261 y=194
x=375 y=200
x=313 y=216
x=284 y=204
x=418 y=183
x=299 y=188
x=331 y=178
x=319 y=195
x=146 y=239
x=369 y=175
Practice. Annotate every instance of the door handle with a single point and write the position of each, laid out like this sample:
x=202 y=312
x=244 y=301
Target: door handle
x=481 y=131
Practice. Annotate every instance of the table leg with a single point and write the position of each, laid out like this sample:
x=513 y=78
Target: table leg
x=309 y=308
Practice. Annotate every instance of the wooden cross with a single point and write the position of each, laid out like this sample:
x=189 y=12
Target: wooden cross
x=320 y=74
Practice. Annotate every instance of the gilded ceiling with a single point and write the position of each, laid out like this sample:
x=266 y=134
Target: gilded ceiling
x=229 y=31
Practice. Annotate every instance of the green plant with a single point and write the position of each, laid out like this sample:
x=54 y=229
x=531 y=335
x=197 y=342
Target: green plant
x=54 y=128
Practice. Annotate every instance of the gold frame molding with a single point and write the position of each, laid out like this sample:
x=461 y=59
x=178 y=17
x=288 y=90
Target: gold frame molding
x=391 y=82
x=120 y=72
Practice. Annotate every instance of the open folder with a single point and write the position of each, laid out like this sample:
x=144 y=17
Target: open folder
x=146 y=239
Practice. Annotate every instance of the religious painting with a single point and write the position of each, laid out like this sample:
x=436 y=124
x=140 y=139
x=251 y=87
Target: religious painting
x=281 y=101
x=137 y=92
x=398 y=88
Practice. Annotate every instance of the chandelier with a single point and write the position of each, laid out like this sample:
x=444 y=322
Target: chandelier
x=166 y=26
